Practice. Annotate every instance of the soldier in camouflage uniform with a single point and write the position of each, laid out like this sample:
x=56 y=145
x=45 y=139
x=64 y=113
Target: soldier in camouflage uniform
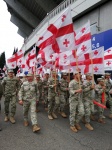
x=28 y=95
x=99 y=89
x=107 y=92
x=39 y=84
x=87 y=99
x=53 y=96
x=45 y=90
x=1 y=93
x=63 y=94
x=75 y=101
x=10 y=89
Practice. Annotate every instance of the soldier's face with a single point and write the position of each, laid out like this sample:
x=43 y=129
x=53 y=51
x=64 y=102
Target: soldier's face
x=30 y=78
x=11 y=74
x=47 y=76
x=108 y=77
x=102 y=83
x=65 y=77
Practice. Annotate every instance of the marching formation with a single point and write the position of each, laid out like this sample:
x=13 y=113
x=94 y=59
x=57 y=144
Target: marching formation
x=79 y=94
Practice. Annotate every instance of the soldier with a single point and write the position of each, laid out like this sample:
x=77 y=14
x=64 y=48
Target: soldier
x=28 y=95
x=87 y=99
x=39 y=84
x=99 y=89
x=63 y=94
x=75 y=101
x=107 y=92
x=45 y=90
x=10 y=89
x=53 y=96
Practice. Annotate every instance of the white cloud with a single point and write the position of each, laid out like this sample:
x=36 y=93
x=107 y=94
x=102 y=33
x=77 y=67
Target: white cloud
x=9 y=38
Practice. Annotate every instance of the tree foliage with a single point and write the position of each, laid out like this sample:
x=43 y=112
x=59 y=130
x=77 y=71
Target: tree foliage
x=2 y=60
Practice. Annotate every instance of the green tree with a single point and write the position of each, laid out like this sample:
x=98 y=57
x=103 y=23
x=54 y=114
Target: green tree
x=2 y=60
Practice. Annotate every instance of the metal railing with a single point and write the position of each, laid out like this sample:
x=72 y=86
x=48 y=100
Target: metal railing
x=50 y=15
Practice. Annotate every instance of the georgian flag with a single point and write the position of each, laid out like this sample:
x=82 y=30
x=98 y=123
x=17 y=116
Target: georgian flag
x=108 y=59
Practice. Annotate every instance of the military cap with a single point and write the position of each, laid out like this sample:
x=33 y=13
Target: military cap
x=100 y=80
x=76 y=72
x=10 y=70
x=37 y=75
x=54 y=72
x=107 y=74
x=64 y=74
x=88 y=74
x=29 y=74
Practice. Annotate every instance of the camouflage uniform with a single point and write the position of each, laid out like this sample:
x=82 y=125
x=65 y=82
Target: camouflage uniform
x=63 y=94
x=53 y=96
x=107 y=94
x=10 y=88
x=75 y=101
x=87 y=99
x=45 y=92
x=29 y=94
x=98 y=97
x=40 y=84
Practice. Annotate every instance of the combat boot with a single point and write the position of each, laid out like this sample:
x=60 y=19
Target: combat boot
x=12 y=120
x=89 y=127
x=110 y=116
x=36 y=128
x=54 y=116
x=101 y=120
x=50 y=117
x=63 y=114
x=92 y=117
x=78 y=127
x=73 y=128
x=6 y=118
x=26 y=123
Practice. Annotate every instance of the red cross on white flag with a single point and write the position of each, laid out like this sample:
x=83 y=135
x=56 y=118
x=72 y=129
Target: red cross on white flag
x=108 y=59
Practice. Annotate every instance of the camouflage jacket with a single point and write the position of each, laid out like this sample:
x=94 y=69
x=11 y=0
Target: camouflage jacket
x=74 y=85
x=51 y=88
x=63 y=86
x=108 y=86
x=39 y=84
x=10 y=85
x=98 y=91
x=29 y=91
x=87 y=91
x=45 y=86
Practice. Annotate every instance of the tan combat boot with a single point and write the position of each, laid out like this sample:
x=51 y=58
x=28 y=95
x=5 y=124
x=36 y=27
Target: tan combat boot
x=101 y=120
x=36 y=128
x=54 y=116
x=89 y=127
x=50 y=117
x=110 y=116
x=73 y=128
x=63 y=114
x=78 y=127
x=26 y=123
x=12 y=120
x=6 y=118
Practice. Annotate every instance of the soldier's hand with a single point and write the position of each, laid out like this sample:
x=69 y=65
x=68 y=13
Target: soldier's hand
x=78 y=91
x=103 y=87
x=20 y=102
x=92 y=87
x=54 y=85
x=67 y=89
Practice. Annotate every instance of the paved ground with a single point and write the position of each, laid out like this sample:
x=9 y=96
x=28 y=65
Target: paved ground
x=54 y=135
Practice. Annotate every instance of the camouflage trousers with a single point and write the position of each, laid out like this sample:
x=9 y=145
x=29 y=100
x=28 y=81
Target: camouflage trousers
x=32 y=106
x=88 y=109
x=62 y=102
x=45 y=97
x=53 y=103
x=76 y=110
x=40 y=96
x=100 y=110
x=10 y=100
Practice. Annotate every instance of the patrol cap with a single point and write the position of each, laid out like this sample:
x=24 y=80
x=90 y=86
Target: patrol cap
x=64 y=74
x=107 y=74
x=88 y=74
x=29 y=74
x=37 y=75
x=76 y=72
x=100 y=80
x=10 y=70
x=53 y=72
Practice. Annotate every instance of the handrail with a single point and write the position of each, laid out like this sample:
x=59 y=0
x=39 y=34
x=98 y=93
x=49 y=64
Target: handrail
x=50 y=15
